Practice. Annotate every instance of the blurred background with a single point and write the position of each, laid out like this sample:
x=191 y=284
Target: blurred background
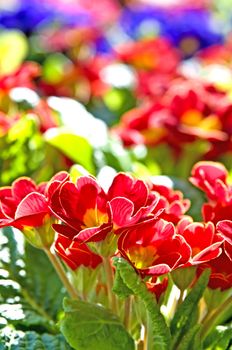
x=109 y=85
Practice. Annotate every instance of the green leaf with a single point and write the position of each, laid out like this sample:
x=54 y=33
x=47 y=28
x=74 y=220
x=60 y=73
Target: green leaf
x=76 y=147
x=18 y=340
x=22 y=150
x=219 y=339
x=187 y=342
x=186 y=312
x=89 y=327
x=30 y=292
x=119 y=287
x=161 y=333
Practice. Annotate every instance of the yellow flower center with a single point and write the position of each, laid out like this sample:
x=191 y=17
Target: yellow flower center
x=142 y=257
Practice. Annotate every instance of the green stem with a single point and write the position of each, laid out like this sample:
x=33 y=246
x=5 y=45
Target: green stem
x=149 y=333
x=181 y=297
x=140 y=345
x=109 y=283
x=127 y=312
x=61 y=273
x=214 y=316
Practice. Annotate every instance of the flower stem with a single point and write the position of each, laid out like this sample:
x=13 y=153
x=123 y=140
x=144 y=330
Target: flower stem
x=127 y=312
x=149 y=340
x=109 y=284
x=181 y=297
x=213 y=317
x=61 y=273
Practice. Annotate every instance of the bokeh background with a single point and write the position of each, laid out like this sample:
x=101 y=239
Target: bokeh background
x=140 y=86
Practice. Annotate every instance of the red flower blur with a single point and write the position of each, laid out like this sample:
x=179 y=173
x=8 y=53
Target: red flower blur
x=23 y=77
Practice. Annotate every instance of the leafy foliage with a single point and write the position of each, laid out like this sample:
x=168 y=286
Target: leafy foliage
x=18 y=340
x=90 y=326
x=21 y=150
x=220 y=338
x=30 y=292
x=185 y=315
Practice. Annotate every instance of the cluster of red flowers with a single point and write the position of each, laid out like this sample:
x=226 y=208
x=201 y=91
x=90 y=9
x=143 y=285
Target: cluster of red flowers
x=188 y=111
x=140 y=221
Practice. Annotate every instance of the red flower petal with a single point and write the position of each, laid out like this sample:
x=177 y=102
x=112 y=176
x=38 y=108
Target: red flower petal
x=93 y=234
x=225 y=228
x=22 y=187
x=126 y=186
x=31 y=210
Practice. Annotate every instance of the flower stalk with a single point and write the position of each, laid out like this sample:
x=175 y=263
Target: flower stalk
x=109 y=283
x=61 y=273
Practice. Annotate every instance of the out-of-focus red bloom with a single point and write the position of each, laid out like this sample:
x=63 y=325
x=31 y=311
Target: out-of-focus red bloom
x=205 y=243
x=76 y=254
x=212 y=179
x=209 y=177
x=143 y=125
x=6 y=123
x=46 y=116
x=150 y=55
x=173 y=202
x=221 y=272
x=216 y=54
x=185 y=113
x=157 y=288
x=153 y=248
x=26 y=204
x=90 y=214
x=81 y=79
x=23 y=77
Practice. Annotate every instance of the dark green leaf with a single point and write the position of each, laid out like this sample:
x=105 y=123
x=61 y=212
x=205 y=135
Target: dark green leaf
x=89 y=327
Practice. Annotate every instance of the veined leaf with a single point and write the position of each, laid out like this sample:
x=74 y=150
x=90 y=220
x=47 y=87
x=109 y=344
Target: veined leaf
x=90 y=327
x=161 y=333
